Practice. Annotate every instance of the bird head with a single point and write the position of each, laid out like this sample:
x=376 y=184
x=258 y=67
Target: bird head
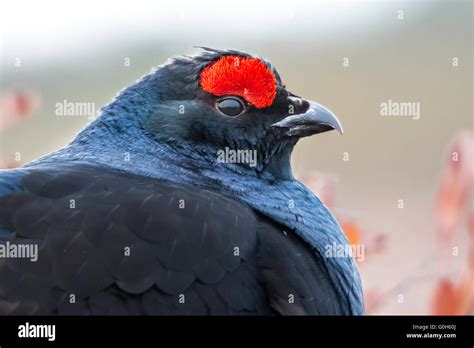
x=217 y=100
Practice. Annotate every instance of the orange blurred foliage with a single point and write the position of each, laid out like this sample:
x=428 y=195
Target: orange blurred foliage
x=16 y=105
x=455 y=186
x=454 y=299
x=453 y=208
x=352 y=232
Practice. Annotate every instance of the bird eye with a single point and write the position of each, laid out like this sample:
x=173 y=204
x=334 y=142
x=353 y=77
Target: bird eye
x=230 y=106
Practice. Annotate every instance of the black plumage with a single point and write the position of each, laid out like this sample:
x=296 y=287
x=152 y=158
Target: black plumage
x=191 y=251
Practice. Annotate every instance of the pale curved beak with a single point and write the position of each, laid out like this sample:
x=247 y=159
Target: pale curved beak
x=317 y=119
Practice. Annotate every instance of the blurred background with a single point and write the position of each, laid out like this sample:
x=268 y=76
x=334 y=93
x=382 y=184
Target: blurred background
x=399 y=186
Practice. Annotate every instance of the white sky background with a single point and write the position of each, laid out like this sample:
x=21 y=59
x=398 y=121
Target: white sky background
x=55 y=29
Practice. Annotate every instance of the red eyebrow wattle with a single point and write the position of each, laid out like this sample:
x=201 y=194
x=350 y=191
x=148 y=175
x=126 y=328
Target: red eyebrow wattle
x=248 y=78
